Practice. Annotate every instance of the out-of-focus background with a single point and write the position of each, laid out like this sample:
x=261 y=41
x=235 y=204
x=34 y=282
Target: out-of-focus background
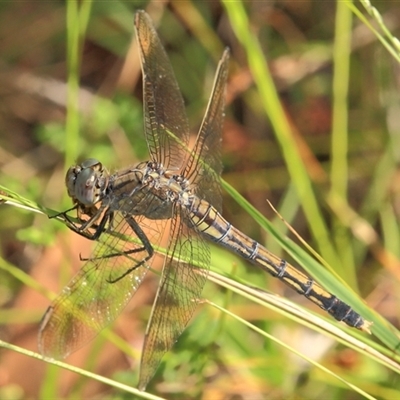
x=338 y=86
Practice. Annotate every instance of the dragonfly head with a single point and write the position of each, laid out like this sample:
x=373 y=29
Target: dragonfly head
x=86 y=183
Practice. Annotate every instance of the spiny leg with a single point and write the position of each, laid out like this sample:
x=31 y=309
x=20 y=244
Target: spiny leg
x=146 y=247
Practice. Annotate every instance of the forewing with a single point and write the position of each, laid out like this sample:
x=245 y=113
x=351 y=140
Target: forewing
x=183 y=278
x=95 y=296
x=166 y=125
x=204 y=165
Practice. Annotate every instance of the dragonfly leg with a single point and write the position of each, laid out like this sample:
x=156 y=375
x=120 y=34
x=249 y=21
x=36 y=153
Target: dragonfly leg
x=124 y=252
x=83 y=228
x=146 y=247
x=63 y=213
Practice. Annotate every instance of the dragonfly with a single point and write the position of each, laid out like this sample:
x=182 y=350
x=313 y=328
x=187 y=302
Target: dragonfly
x=173 y=199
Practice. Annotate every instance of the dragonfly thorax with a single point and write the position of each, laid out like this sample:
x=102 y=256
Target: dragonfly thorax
x=147 y=189
x=86 y=183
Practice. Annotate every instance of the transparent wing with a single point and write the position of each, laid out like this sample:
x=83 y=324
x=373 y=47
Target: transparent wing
x=166 y=126
x=183 y=278
x=95 y=296
x=204 y=165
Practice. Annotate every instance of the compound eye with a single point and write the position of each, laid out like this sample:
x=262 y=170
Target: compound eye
x=85 y=188
x=70 y=179
x=92 y=163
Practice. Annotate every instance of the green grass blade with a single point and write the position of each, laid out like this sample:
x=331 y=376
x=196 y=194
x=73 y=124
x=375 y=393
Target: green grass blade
x=284 y=134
